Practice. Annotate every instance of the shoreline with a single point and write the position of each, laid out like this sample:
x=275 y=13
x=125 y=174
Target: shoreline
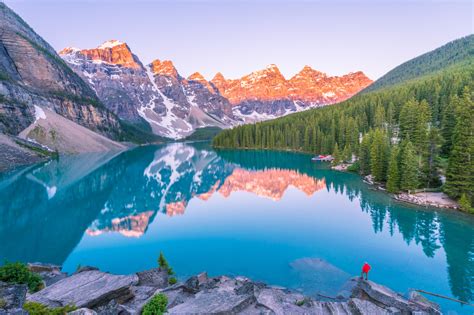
x=90 y=291
x=423 y=199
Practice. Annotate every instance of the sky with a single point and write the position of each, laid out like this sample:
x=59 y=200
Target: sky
x=241 y=36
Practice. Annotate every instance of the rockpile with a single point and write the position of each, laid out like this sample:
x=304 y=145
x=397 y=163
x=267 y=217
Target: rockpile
x=96 y=292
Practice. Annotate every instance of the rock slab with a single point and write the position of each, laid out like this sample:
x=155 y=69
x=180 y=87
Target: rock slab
x=87 y=289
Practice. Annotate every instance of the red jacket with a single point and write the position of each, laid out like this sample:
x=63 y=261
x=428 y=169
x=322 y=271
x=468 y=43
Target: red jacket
x=366 y=268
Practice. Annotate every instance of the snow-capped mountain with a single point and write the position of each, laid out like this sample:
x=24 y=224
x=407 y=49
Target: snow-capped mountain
x=157 y=98
x=266 y=94
x=154 y=97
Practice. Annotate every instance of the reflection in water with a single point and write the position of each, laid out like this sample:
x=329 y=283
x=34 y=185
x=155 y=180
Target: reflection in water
x=46 y=209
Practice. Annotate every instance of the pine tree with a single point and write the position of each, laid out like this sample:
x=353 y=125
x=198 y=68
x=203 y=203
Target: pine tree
x=408 y=166
x=393 y=176
x=407 y=119
x=162 y=262
x=336 y=155
x=364 y=154
x=379 y=156
x=448 y=123
x=465 y=203
x=460 y=172
x=347 y=153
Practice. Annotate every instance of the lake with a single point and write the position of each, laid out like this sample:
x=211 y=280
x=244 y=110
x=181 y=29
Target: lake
x=272 y=216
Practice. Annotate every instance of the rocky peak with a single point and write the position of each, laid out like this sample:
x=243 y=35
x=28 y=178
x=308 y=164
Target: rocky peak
x=357 y=76
x=164 y=67
x=112 y=52
x=308 y=72
x=68 y=51
x=197 y=77
x=270 y=73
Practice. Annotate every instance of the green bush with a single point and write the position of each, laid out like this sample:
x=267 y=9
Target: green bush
x=156 y=306
x=172 y=280
x=19 y=273
x=3 y=303
x=300 y=303
x=34 y=308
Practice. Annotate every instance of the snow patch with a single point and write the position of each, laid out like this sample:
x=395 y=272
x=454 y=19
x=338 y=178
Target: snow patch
x=39 y=113
x=110 y=44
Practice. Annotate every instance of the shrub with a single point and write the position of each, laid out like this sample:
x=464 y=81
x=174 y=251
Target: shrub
x=156 y=306
x=3 y=303
x=300 y=303
x=172 y=280
x=34 y=308
x=19 y=273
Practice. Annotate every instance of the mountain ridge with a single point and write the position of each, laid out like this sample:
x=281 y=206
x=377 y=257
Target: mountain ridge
x=172 y=101
x=460 y=50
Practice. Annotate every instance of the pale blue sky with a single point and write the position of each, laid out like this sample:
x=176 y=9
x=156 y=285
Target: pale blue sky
x=237 y=37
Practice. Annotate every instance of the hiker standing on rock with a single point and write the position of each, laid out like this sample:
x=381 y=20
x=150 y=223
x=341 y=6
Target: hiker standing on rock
x=365 y=270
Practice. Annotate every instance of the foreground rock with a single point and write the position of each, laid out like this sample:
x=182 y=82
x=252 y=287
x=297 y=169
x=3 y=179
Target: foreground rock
x=223 y=295
x=49 y=273
x=96 y=292
x=12 y=298
x=86 y=289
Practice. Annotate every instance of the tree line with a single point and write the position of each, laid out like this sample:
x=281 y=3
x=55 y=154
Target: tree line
x=418 y=134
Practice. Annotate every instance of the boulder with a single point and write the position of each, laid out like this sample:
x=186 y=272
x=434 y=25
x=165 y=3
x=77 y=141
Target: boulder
x=359 y=306
x=112 y=308
x=40 y=267
x=141 y=295
x=213 y=302
x=386 y=298
x=48 y=272
x=83 y=311
x=156 y=277
x=280 y=301
x=12 y=296
x=85 y=268
x=88 y=289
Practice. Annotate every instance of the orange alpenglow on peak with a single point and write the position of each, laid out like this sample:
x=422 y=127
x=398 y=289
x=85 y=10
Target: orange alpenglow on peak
x=197 y=77
x=164 y=67
x=308 y=85
x=112 y=52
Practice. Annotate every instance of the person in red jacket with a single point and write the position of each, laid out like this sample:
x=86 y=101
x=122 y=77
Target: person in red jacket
x=365 y=270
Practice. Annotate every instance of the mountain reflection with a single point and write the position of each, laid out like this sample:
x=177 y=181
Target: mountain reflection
x=47 y=208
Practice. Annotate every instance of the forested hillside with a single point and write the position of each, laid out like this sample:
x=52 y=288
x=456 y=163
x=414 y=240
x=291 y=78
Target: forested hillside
x=455 y=52
x=409 y=136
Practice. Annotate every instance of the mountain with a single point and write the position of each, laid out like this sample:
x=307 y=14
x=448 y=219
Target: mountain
x=416 y=116
x=156 y=97
x=152 y=97
x=33 y=78
x=453 y=53
x=266 y=94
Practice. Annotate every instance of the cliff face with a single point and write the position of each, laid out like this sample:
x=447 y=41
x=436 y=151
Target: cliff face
x=31 y=73
x=153 y=97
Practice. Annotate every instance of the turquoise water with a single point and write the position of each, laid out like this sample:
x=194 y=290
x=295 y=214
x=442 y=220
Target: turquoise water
x=271 y=216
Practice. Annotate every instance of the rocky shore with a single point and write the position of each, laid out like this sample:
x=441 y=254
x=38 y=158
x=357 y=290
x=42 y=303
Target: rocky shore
x=92 y=291
x=428 y=199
